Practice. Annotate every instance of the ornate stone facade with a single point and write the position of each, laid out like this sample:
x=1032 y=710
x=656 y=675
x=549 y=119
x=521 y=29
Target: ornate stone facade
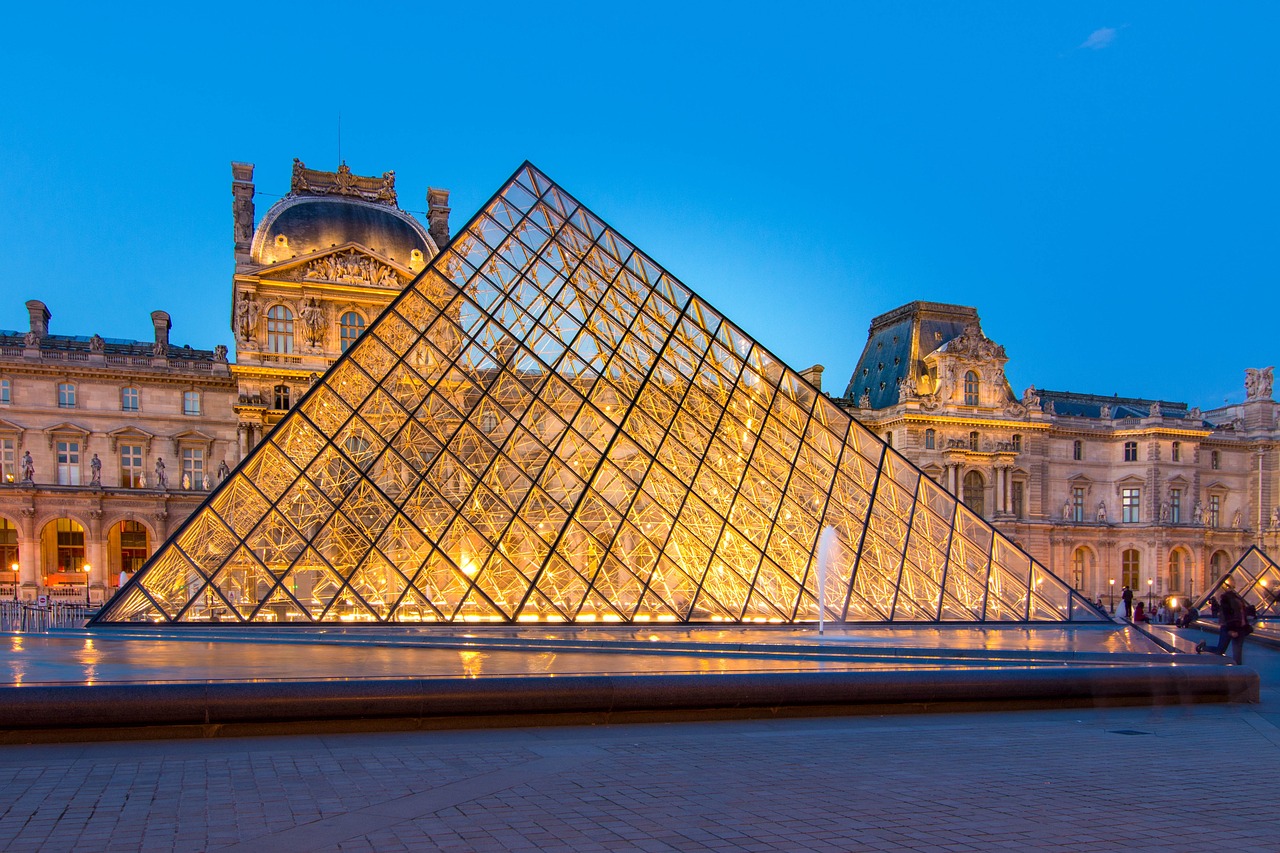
x=315 y=272
x=1150 y=493
x=85 y=423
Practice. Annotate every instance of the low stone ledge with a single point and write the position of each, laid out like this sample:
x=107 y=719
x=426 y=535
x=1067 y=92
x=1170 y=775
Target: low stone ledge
x=47 y=707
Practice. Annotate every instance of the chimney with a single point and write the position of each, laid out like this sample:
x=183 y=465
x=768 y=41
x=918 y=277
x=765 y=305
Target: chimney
x=242 y=208
x=160 y=320
x=39 y=318
x=438 y=216
x=813 y=376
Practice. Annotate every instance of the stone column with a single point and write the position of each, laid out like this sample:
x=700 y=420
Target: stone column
x=29 y=578
x=95 y=552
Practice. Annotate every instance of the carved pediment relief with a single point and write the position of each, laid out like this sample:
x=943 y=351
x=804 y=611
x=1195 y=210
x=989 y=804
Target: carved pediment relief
x=65 y=430
x=132 y=435
x=344 y=265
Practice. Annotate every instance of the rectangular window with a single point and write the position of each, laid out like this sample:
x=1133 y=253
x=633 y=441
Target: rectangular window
x=1131 y=451
x=1077 y=450
x=68 y=463
x=8 y=460
x=1077 y=503
x=1177 y=451
x=131 y=466
x=1130 y=505
x=4 y=392
x=1215 y=510
x=192 y=468
x=190 y=402
x=66 y=395
x=129 y=400
x=1175 y=506
x=1017 y=498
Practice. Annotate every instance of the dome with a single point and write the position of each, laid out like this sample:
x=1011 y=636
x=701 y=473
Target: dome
x=301 y=225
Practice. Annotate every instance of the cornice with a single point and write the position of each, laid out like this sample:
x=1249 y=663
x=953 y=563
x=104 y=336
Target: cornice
x=113 y=374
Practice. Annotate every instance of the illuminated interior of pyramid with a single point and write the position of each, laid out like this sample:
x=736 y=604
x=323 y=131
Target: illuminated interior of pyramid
x=1256 y=578
x=546 y=426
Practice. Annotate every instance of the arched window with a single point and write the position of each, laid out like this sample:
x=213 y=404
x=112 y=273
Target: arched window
x=1175 y=569
x=349 y=328
x=1130 y=568
x=282 y=397
x=930 y=439
x=1078 y=559
x=70 y=545
x=973 y=440
x=280 y=329
x=1218 y=565
x=974 y=489
x=8 y=547
x=971 y=388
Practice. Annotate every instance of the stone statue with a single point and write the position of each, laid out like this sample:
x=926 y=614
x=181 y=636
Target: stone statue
x=1257 y=383
x=1154 y=412
x=1235 y=520
x=220 y=354
x=1067 y=514
x=223 y=471
x=186 y=481
x=159 y=349
x=1275 y=518
x=206 y=482
x=97 y=345
x=1106 y=411
x=1164 y=510
x=95 y=467
x=864 y=402
x=1102 y=512
x=31 y=339
x=247 y=313
x=28 y=468
x=906 y=389
x=1030 y=398
x=1194 y=414
x=312 y=316
x=1197 y=514
x=142 y=479
x=1048 y=409
x=162 y=479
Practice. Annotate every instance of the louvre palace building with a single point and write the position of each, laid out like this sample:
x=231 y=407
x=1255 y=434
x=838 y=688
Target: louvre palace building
x=107 y=446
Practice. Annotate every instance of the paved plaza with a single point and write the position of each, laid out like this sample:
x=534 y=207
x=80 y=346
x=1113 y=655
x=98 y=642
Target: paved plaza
x=1196 y=777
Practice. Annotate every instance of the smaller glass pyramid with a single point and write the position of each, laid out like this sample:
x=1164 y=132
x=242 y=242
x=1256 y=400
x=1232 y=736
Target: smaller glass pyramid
x=1256 y=578
x=547 y=426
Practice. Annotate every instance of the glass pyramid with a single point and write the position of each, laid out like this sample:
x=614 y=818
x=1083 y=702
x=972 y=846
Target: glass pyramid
x=1256 y=577
x=546 y=426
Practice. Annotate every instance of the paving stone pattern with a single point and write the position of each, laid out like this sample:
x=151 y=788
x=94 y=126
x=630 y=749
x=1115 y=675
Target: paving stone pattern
x=1095 y=779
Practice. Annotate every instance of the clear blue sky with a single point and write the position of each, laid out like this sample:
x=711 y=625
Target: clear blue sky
x=1099 y=180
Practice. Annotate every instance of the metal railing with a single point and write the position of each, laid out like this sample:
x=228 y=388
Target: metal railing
x=25 y=617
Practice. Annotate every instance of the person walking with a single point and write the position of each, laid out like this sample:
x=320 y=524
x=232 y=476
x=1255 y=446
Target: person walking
x=1127 y=598
x=1233 y=625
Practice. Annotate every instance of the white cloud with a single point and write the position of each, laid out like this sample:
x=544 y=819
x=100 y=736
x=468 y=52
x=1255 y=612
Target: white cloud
x=1099 y=39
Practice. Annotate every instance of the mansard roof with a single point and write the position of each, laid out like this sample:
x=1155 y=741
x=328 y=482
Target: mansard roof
x=1075 y=404
x=897 y=343
x=111 y=346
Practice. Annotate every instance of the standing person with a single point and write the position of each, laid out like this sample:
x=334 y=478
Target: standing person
x=1162 y=615
x=1233 y=624
x=1127 y=598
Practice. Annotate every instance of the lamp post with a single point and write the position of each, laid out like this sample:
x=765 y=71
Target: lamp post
x=14 y=568
x=87 y=567
x=1149 y=584
x=1113 y=596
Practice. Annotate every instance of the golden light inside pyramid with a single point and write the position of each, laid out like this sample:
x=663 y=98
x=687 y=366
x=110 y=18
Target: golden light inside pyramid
x=1256 y=578
x=546 y=426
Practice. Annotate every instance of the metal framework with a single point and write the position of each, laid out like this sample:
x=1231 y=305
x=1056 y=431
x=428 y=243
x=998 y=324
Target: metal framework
x=546 y=426
x=1256 y=578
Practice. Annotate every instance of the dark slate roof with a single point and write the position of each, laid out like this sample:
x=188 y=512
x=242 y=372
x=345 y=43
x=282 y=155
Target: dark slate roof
x=1072 y=404
x=113 y=346
x=896 y=337
x=314 y=224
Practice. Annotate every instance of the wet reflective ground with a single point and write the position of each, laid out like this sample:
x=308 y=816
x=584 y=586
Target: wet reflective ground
x=134 y=655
